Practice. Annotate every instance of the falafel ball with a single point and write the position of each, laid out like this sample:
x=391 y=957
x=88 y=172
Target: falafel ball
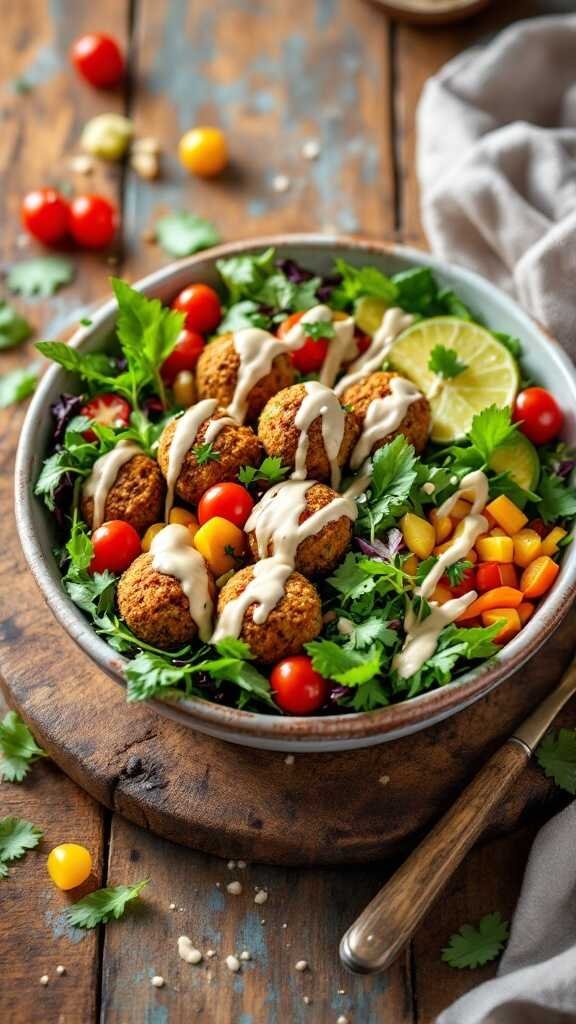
x=154 y=606
x=235 y=445
x=320 y=553
x=136 y=496
x=279 y=434
x=296 y=619
x=217 y=375
x=416 y=424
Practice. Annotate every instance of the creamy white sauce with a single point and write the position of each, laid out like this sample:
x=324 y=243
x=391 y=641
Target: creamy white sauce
x=103 y=476
x=215 y=427
x=320 y=401
x=428 y=487
x=183 y=439
x=256 y=349
x=383 y=417
x=275 y=519
x=359 y=486
x=173 y=554
x=341 y=347
x=472 y=527
x=394 y=321
x=473 y=487
x=422 y=637
x=265 y=590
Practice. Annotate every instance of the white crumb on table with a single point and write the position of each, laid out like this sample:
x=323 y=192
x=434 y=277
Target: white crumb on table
x=301 y=965
x=210 y=953
x=44 y=979
x=231 y=865
x=280 y=183
x=60 y=970
x=234 y=888
x=261 y=897
x=245 y=955
x=187 y=950
x=241 y=864
x=158 y=981
x=289 y=759
x=311 y=149
x=172 y=906
x=233 y=963
x=384 y=780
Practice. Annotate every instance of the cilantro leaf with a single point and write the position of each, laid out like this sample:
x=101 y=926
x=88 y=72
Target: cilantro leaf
x=556 y=754
x=270 y=471
x=444 y=362
x=151 y=675
x=358 y=281
x=424 y=567
x=457 y=570
x=244 y=314
x=475 y=946
x=18 y=748
x=42 y=276
x=370 y=630
x=351 y=579
x=557 y=499
x=18 y=385
x=369 y=696
x=477 y=641
x=147 y=332
x=258 y=279
x=205 y=453
x=319 y=329
x=349 y=668
x=490 y=429
x=16 y=837
x=183 y=233
x=14 y=329
x=103 y=905
x=393 y=474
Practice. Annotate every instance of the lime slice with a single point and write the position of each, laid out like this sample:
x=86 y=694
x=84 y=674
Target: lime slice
x=491 y=376
x=519 y=458
x=368 y=313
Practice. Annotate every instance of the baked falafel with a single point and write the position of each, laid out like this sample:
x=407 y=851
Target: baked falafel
x=136 y=496
x=217 y=376
x=415 y=425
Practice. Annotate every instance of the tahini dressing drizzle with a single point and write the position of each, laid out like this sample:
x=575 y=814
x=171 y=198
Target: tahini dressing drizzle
x=275 y=523
x=383 y=416
x=394 y=321
x=187 y=427
x=103 y=476
x=422 y=636
x=320 y=401
x=173 y=554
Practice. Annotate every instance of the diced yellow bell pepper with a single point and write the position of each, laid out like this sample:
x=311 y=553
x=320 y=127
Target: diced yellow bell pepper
x=507 y=514
x=410 y=565
x=151 y=532
x=461 y=509
x=551 y=541
x=419 y=535
x=527 y=547
x=442 y=526
x=495 y=549
x=221 y=543
x=497 y=531
x=184 y=517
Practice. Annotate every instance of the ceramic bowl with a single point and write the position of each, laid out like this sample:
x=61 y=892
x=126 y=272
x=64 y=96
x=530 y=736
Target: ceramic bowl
x=544 y=360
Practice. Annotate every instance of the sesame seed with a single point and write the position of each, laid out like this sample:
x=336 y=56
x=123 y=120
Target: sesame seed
x=44 y=979
x=301 y=965
x=158 y=981
x=234 y=888
x=233 y=963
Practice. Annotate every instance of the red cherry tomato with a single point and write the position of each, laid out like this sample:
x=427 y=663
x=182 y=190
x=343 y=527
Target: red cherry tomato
x=93 y=221
x=363 y=341
x=46 y=215
x=115 y=545
x=310 y=357
x=202 y=307
x=183 y=356
x=490 y=575
x=539 y=415
x=109 y=409
x=98 y=58
x=467 y=583
x=229 y=501
x=297 y=688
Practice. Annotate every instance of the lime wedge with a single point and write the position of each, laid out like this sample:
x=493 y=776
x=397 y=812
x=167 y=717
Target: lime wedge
x=368 y=313
x=491 y=376
x=519 y=458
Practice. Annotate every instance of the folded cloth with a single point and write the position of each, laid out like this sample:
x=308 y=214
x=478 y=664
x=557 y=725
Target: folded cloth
x=536 y=982
x=497 y=166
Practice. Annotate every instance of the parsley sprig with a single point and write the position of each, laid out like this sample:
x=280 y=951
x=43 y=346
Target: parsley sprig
x=556 y=754
x=475 y=945
x=445 y=363
x=17 y=836
x=104 y=905
x=18 y=748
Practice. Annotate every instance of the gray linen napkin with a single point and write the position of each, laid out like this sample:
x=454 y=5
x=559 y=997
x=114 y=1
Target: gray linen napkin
x=497 y=168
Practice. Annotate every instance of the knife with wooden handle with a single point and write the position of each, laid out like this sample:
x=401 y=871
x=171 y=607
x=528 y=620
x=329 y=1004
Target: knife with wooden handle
x=373 y=942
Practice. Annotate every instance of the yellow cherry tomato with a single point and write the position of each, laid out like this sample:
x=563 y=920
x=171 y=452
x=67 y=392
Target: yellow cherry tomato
x=184 y=389
x=221 y=543
x=69 y=865
x=183 y=517
x=203 y=151
x=151 y=532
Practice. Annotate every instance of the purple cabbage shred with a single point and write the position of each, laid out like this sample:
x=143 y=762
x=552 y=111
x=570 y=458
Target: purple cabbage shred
x=293 y=271
x=382 y=551
x=63 y=411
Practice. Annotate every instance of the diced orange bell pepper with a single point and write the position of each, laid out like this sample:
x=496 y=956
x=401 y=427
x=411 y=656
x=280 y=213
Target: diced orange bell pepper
x=490 y=575
x=419 y=535
x=511 y=623
x=410 y=565
x=500 y=597
x=441 y=594
x=221 y=543
x=442 y=525
x=552 y=540
x=507 y=514
x=495 y=549
x=525 y=611
x=461 y=509
x=527 y=547
x=538 y=577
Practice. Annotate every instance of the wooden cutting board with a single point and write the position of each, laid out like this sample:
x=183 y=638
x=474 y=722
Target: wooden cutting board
x=232 y=801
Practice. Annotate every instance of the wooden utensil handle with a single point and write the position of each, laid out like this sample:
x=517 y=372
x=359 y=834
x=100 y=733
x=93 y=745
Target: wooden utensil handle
x=378 y=935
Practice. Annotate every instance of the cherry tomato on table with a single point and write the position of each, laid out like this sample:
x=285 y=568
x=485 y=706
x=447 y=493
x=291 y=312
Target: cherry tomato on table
x=98 y=58
x=539 y=415
x=203 y=151
x=109 y=409
x=228 y=501
x=115 y=545
x=69 y=865
x=93 y=221
x=308 y=358
x=46 y=215
x=296 y=687
x=201 y=305
x=183 y=356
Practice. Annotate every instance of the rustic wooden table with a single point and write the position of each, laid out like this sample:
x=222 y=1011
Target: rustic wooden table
x=273 y=75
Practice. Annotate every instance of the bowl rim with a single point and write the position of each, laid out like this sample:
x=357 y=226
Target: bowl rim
x=407 y=715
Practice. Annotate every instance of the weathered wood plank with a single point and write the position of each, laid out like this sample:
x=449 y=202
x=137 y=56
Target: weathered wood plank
x=304 y=917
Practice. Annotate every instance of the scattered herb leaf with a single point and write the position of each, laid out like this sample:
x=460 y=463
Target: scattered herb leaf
x=473 y=946
x=103 y=905
x=183 y=233
x=41 y=276
x=18 y=748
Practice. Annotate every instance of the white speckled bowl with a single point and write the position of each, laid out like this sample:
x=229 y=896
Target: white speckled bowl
x=544 y=360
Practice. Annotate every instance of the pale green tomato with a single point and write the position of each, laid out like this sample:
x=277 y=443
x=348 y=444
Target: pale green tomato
x=107 y=136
